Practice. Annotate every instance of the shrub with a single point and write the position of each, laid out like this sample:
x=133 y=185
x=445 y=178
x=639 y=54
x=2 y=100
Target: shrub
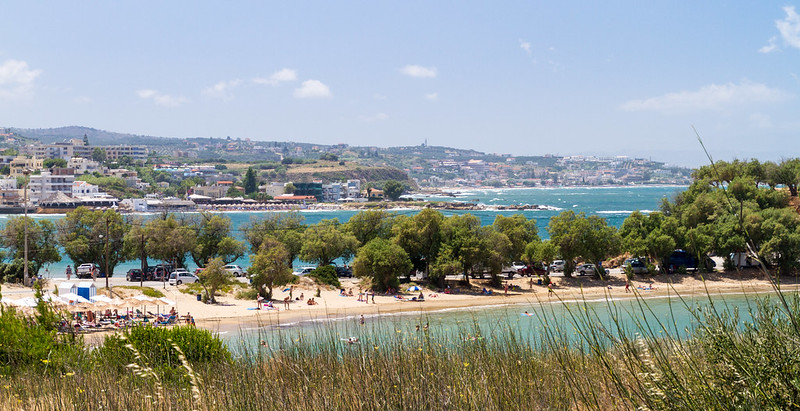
x=326 y=274
x=628 y=272
x=247 y=294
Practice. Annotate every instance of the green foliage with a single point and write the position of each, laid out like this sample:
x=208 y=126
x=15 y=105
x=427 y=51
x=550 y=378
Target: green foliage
x=420 y=237
x=148 y=291
x=393 y=189
x=54 y=162
x=155 y=346
x=247 y=294
x=519 y=230
x=270 y=267
x=329 y=157
x=577 y=235
x=250 y=181
x=214 y=240
x=88 y=236
x=99 y=155
x=287 y=228
x=369 y=224
x=42 y=246
x=213 y=277
x=220 y=167
x=383 y=262
x=325 y=274
x=169 y=239
x=326 y=241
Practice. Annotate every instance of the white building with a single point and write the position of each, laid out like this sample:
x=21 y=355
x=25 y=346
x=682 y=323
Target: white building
x=84 y=189
x=48 y=183
x=84 y=165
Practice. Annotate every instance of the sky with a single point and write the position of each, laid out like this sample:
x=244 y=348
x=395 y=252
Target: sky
x=519 y=77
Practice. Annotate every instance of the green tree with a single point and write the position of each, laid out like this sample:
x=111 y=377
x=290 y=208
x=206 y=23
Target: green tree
x=326 y=241
x=270 y=267
x=393 y=189
x=461 y=242
x=213 y=277
x=579 y=236
x=135 y=242
x=169 y=239
x=250 y=181
x=214 y=240
x=289 y=188
x=54 y=162
x=87 y=236
x=383 y=262
x=369 y=224
x=519 y=230
x=42 y=245
x=287 y=228
x=421 y=238
x=99 y=155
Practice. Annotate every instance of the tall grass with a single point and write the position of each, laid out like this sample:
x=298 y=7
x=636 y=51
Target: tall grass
x=723 y=363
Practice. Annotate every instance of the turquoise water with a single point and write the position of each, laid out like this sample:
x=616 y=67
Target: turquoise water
x=654 y=316
x=612 y=203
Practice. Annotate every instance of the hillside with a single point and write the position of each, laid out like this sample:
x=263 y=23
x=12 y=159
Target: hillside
x=96 y=137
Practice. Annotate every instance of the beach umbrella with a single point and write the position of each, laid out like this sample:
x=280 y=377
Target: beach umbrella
x=166 y=301
x=72 y=298
x=414 y=288
x=25 y=302
x=101 y=299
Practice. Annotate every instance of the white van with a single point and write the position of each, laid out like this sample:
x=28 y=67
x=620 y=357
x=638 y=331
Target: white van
x=744 y=260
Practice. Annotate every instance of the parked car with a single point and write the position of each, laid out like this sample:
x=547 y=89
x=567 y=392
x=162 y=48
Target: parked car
x=558 y=265
x=135 y=274
x=533 y=269
x=344 y=271
x=85 y=270
x=234 y=269
x=584 y=269
x=303 y=271
x=638 y=266
x=182 y=277
x=744 y=260
x=160 y=272
x=681 y=258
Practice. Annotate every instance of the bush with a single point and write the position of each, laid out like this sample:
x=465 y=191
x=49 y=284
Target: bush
x=628 y=270
x=247 y=294
x=154 y=345
x=326 y=274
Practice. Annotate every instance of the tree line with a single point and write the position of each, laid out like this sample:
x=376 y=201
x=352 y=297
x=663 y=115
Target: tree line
x=742 y=206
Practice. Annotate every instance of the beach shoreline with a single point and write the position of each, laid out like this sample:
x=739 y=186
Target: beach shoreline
x=230 y=315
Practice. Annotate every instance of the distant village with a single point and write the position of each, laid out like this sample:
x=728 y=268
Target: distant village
x=193 y=174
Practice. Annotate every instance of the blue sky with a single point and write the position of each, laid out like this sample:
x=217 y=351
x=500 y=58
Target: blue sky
x=526 y=78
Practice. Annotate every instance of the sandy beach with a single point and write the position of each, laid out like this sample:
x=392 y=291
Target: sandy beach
x=232 y=315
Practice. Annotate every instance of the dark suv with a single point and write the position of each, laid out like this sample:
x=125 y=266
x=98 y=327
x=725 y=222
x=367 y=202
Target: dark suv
x=344 y=271
x=159 y=272
x=681 y=258
x=135 y=274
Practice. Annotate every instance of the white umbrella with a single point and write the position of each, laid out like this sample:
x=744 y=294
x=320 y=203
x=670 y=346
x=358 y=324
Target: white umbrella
x=72 y=298
x=414 y=288
x=166 y=301
x=101 y=298
x=142 y=298
x=25 y=302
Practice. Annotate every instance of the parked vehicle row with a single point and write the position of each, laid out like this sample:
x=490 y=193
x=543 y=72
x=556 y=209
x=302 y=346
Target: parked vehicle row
x=175 y=276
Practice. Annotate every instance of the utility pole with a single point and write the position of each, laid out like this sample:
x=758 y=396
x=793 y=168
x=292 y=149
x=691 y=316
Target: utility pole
x=106 y=250
x=26 y=277
x=144 y=264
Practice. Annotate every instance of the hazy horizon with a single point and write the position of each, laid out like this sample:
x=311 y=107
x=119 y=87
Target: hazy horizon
x=524 y=78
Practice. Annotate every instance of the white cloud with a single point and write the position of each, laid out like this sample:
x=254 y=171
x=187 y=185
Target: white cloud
x=413 y=70
x=790 y=27
x=82 y=100
x=222 y=89
x=376 y=117
x=711 y=97
x=377 y=96
x=313 y=89
x=769 y=47
x=525 y=46
x=16 y=80
x=432 y=96
x=760 y=120
x=164 y=100
x=281 y=76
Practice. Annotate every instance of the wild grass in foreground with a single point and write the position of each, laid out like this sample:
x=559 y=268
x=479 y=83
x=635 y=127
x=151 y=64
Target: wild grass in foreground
x=725 y=363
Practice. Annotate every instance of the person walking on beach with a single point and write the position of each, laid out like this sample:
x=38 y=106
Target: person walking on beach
x=549 y=289
x=530 y=282
x=627 y=286
x=286 y=301
x=69 y=272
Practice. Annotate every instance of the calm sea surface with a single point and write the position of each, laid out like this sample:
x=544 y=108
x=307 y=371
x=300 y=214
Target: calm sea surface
x=612 y=203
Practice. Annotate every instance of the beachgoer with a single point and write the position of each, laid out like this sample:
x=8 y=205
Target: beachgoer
x=530 y=282
x=361 y=320
x=69 y=271
x=627 y=286
x=549 y=289
x=95 y=271
x=505 y=288
x=189 y=318
x=286 y=301
x=417 y=328
x=301 y=296
x=259 y=300
x=291 y=288
x=426 y=327
x=421 y=296
x=171 y=312
x=372 y=292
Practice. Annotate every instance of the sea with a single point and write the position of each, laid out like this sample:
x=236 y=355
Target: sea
x=612 y=203
x=529 y=321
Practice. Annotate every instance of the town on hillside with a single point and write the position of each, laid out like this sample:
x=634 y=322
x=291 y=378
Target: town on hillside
x=54 y=170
